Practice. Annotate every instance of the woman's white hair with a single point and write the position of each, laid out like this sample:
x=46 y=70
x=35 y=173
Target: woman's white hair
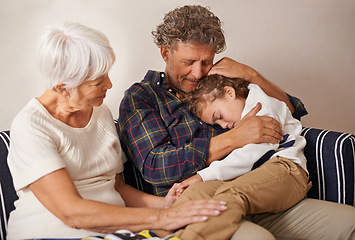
x=72 y=54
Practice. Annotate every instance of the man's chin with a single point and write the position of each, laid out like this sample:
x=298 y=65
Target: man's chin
x=187 y=90
x=189 y=87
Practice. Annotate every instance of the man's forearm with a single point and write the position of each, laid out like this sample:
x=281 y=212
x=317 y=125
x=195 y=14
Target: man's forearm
x=220 y=146
x=271 y=89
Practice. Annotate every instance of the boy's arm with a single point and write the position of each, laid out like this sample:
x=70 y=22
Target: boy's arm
x=238 y=162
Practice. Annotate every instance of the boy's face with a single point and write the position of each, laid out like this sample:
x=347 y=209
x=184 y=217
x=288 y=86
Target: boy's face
x=225 y=111
x=186 y=64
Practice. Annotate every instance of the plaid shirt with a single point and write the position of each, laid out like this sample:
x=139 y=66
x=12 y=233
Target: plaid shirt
x=164 y=140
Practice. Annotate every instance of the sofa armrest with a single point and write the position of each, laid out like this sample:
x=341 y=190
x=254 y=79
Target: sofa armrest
x=330 y=162
x=7 y=192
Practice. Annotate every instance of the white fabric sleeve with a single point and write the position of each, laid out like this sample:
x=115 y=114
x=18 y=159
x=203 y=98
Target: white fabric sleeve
x=32 y=154
x=237 y=163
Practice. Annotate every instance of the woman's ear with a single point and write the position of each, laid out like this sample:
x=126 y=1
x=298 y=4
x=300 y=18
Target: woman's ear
x=230 y=92
x=59 y=88
x=165 y=53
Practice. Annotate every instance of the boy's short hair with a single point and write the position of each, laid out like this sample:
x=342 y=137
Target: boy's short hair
x=210 y=88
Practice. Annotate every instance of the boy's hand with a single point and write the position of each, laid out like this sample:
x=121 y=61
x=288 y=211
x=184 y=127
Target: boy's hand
x=172 y=196
x=185 y=184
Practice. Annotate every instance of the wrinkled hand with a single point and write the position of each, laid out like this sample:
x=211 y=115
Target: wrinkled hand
x=172 y=196
x=190 y=212
x=231 y=68
x=257 y=129
x=186 y=183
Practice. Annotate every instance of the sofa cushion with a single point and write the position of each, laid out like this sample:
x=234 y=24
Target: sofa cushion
x=330 y=162
x=7 y=191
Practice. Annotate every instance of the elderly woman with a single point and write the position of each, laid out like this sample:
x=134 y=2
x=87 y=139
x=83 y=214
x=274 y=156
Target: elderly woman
x=65 y=156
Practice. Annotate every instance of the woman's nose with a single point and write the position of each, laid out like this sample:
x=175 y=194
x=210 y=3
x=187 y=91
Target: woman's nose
x=108 y=84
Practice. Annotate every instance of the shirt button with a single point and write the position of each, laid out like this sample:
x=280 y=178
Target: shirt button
x=201 y=123
x=162 y=75
x=170 y=90
x=158 y=83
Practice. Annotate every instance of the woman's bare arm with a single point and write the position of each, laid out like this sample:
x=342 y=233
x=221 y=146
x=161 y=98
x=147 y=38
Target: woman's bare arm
x=57 y=192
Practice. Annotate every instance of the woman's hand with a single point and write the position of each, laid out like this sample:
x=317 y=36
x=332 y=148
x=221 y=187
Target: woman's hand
x=190 y=212
x=185 y=184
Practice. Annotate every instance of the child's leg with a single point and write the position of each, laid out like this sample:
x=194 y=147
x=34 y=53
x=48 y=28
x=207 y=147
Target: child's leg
x=201 y=190
x=273 y=187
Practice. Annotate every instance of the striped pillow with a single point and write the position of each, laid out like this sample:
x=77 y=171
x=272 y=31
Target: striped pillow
x=330 y=162
x=7 y=191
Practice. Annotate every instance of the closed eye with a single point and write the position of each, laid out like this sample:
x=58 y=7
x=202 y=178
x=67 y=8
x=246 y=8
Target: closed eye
x=188 y=63
x=216 y=117
x=98 y=83
x=206 y=63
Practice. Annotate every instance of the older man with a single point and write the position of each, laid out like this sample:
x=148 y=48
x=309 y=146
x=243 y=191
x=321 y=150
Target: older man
x=167 y=143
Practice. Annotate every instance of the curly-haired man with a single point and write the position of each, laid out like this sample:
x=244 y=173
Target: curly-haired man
x=168 y=144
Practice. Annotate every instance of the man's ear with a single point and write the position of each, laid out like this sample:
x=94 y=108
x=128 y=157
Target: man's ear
x=230 y=91
x=165 y=53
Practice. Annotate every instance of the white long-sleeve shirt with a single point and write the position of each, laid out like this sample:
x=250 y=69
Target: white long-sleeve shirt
x=242 y=160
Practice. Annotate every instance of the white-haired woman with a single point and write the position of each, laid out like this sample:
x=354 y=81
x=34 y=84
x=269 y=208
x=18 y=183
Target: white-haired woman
x=65 y=156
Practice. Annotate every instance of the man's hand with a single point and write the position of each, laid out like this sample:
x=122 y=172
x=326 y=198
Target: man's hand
x=185 y=184
x=257 y=129
x=233 y=69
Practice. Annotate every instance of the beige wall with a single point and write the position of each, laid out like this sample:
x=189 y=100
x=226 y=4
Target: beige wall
x=307 y=47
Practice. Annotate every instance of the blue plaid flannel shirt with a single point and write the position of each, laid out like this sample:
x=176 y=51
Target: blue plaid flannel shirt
x=164 y=140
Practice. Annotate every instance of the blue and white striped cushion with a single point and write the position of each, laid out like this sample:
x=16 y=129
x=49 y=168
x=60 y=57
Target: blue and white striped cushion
x=7 y=192
x=330 y=162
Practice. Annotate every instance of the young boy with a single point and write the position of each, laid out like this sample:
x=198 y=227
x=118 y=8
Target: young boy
x=225 y=101
x=266 y=177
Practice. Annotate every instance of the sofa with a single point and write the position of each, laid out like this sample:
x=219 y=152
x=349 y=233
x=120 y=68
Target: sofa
x=330 y=161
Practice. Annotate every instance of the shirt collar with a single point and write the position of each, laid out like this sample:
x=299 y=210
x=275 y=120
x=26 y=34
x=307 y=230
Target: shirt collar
x=159 y=79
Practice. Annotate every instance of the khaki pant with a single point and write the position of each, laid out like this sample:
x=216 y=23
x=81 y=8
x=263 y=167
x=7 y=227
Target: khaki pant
x=310 y=219
x=273 y=187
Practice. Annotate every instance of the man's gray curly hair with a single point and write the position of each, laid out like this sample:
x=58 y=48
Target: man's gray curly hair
x=190 y=24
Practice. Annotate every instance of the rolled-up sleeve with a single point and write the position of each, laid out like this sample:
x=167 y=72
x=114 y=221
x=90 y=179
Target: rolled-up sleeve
x=299 y=107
